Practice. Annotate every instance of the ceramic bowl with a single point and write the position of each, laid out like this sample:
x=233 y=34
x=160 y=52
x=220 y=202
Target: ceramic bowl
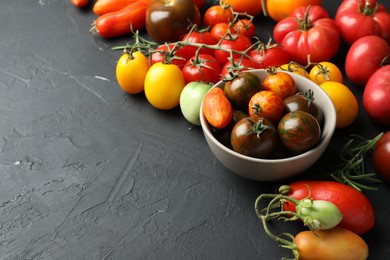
x=275 y=169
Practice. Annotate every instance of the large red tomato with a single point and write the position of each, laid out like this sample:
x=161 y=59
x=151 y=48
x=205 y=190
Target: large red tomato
x=381 y=155
x=306 y=33
x=364 y=57
x=358 y=18
x=376 y=96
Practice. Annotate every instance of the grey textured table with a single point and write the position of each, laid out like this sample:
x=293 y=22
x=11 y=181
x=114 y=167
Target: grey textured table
x=88 y=172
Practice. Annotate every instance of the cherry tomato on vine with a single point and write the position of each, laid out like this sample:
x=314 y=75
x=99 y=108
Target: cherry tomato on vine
x=131 y=70
x=325 y=71
x=163 y=85
x=267 y=104
x=270 y=55
x=295 y=68
x=233 y=67
x=345 y=103
x=201 y=37
x=245 y=27
x=254 y=136
x=381 y=155
x=202 y=67
x=299 y=131
x=217 y=14
x=179 y=55
x=221 y=29
x=280 y=82
x=230 y=43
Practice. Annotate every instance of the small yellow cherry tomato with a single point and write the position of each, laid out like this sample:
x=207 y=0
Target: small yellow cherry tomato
x=131 y=70
x=163 y=85
x=345 y=102
x=325 y=71
x=295 y=68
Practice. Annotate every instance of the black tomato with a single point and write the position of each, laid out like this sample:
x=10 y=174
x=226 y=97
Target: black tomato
x=303 y=102
x=240 y=90
x=254 y=136
x=169 y=20
x=299 y=131
x=223 y=135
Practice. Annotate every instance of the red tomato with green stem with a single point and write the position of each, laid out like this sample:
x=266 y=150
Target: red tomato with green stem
x=308 y=31
x=254 y=136
x=245 y=27
x=268 y=55
x=280 y=82
x=218 y=14
x=232 y=46
x=357 y=210
x=364 y=57
x=233 y=67
x=221 y=29
x=267 y=104
x=358 y=18
x=199 y=37
x=171 y=53
x=202 y=67
x=381 y=155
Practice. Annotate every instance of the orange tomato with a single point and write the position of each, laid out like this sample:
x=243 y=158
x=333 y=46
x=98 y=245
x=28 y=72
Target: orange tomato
x=345 y=102
x=296 y=69
x=217 y=109
x=280 y=9
x=325 y=71
x=252 y=7
x=79 y=3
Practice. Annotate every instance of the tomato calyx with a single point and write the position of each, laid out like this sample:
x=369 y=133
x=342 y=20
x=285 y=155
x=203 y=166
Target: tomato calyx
x=304 y=24
x=367 y=10
x=258 y=127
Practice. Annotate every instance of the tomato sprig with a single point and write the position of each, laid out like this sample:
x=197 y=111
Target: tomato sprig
x=352 y=170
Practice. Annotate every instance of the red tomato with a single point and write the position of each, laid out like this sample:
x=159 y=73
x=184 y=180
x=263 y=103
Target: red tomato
x=364 y=57
x=221 y=29
x=270 y=55
x=217 y=14
x=232 y=68
x=199 y=3
x=217 y=109
x=357 y=210
x=79 y=3
x=178 y=55
x=281 y=83
x=245 y=27
x=308 y=33
x=267 y=104
x=381 y=157
x=238 y=43
x=204 y=68
x=358 y=18
x=376 y=96
x=203 y=37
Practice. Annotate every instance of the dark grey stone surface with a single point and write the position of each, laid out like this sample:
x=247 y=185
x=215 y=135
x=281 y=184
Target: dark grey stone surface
x=88 y=172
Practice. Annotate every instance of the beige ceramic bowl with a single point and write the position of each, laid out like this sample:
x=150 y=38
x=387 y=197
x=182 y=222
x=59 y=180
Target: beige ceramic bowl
x=275 y=169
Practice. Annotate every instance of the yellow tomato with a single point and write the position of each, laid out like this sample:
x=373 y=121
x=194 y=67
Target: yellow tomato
x=295 y=68
x=326 y=71
x=280 y=9
x=131 y=70
x=252 y=7
x=345 y=102
x=163 y=85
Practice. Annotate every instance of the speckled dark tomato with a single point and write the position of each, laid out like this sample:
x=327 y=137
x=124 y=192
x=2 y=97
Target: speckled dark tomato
x=240 y=90
x=254 y=136
x=299 y=131
x=303 y=102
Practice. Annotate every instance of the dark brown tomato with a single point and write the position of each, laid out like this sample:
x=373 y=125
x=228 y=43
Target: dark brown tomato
x=240 y=90
x=299 y=131
x=169 y=20
x=303 y=102
x=254 y=136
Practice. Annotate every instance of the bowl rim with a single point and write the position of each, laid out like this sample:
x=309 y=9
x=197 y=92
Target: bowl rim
x=325 y=137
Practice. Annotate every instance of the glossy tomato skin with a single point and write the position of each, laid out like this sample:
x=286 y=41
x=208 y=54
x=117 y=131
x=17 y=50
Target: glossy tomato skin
x=299 y=131
x=267 y=104
x=270 y=55
x=241 y=89
x=376 y=96
x=357 y=210
x=280 y=9
x=245 y=27
x=303 y=102
x=217 y=109
x=169 y=20
x=204 y=37
x=318 y=38
x=217 y=14
x=381 y=155
x=358 y=18
x=232 y=68
x=364 y=57
x=221 y=29
x=231 y=42
x=203 y=68
x=281 y=83
x=254 y=136
x=336 y=244
x=251 y=7
x=180 y=55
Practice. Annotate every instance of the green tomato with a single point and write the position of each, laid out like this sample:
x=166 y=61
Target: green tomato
x=191 y=99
